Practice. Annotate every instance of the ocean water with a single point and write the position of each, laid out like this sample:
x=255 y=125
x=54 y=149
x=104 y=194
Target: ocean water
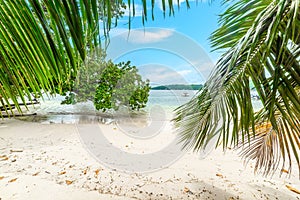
x=159 y=101
x=161 y=104
x=169 y=99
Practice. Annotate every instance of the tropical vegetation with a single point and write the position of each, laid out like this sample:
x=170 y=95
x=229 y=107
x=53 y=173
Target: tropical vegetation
x=261 y=42
x=108 y=85
x=43 y=43
x=121 y=86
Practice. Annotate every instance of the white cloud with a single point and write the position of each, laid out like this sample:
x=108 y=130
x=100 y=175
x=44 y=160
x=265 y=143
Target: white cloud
x=138 y=11
x=144 y=37
x=175 y=3
x=140 y=36
x=184 y=72
x=163 y=75
x=202 y=68
x=118 y=31
x=180 y=2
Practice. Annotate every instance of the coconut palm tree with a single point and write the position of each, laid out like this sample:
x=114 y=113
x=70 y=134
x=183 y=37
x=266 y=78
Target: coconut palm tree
x=261 y=44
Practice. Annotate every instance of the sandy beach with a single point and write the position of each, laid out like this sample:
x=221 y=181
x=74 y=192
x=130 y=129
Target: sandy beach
x=49 y=161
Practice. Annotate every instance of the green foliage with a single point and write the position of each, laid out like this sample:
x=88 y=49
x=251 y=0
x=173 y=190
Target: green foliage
x=43 y=43
x=70 y=99
x=109 y=85
x=89 y=75
x=121 y=85
x=262 y=43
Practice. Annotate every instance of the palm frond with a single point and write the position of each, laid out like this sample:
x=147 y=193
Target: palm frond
x=43 y=43
x=262 y=46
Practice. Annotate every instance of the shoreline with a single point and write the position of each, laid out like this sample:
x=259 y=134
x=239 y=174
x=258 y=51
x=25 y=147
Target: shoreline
x=48 y=161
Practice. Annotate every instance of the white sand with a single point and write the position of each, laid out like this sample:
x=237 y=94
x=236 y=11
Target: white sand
x=38 y=160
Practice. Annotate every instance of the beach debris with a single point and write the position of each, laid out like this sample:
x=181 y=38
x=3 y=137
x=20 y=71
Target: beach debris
x=219 y=175
x=187 y=191
x=293 y=189
x=13 y=160
x=140 y=185
x=62 y=173
x=68 y=182
x=35 y=174
x=285 y=171
x=3 y=158
x=85 y=170
x=1 y=177
x=97 y=171
x=16 y=150
x=12 y=180
x=54 y=163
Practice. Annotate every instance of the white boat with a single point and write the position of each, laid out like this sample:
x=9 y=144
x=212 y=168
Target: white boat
x=185 y=94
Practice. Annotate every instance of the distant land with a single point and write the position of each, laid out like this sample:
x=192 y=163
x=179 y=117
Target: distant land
x=177 y=87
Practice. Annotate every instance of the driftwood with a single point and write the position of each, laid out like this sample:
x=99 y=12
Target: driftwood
x=13 y=106
x=5 y=108
x=18 y=115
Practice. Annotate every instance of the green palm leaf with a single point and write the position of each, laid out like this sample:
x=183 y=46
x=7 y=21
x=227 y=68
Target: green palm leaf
x=262 y=46
x=43 y=43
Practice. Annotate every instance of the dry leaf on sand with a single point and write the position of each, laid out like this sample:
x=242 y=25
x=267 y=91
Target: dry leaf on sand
x=85 y=171
x=219 y=175
x=4 y=158
x=12 y=180
x=16 y=150
x=54 y=163
x=187 y=190
x=61 y=173
x=292 y=189
x=97 y=171
x=35 y=174
x=1 y=177
x=68 y=182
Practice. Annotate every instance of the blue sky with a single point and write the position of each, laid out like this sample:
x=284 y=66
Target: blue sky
x=171 y=49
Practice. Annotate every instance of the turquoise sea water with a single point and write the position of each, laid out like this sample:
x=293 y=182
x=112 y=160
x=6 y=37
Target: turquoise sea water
x=170 y=99
x=163 y=101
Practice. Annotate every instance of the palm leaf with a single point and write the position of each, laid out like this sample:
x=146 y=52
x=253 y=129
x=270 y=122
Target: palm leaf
x=261 y=46
x=43 y=43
